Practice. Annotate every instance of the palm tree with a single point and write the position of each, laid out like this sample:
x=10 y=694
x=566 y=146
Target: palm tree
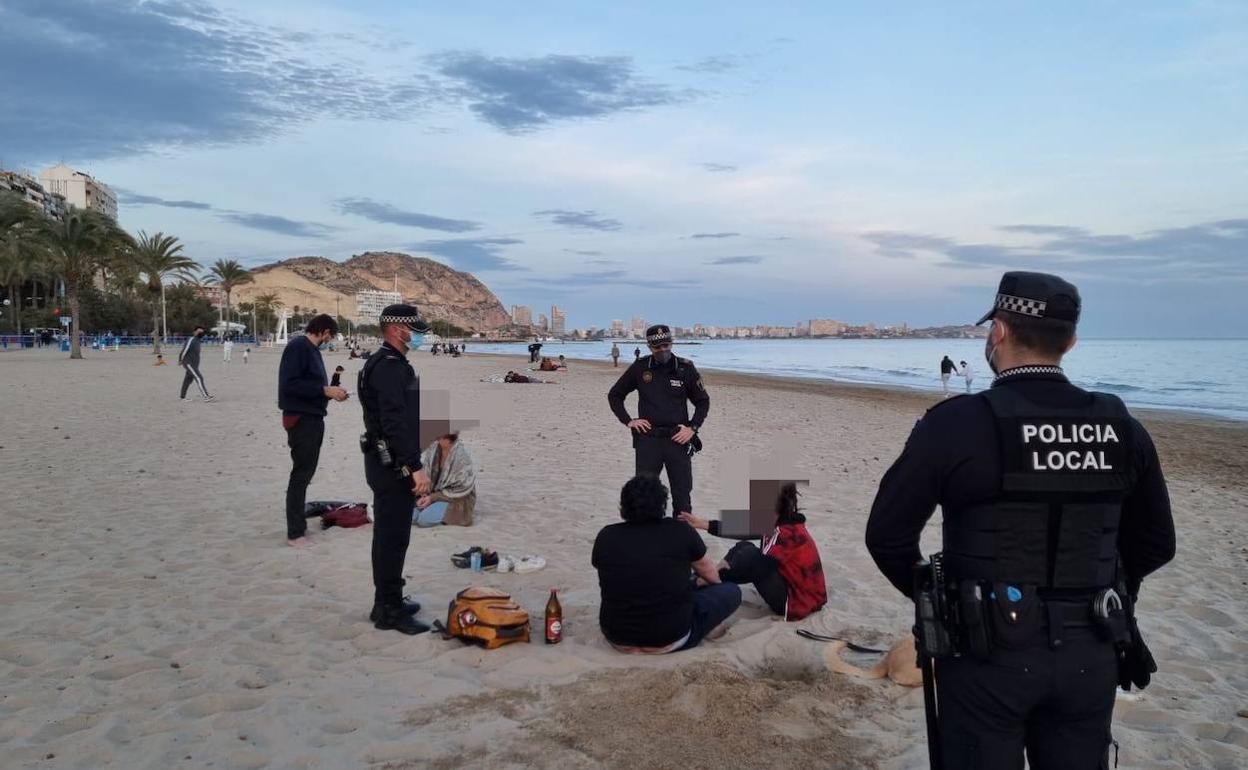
x=23 y=252
x=80 y=245
x=230 y=274
x=158 y=257
x=266 y=306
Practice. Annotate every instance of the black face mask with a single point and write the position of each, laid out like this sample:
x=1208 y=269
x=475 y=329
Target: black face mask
x=663 y=356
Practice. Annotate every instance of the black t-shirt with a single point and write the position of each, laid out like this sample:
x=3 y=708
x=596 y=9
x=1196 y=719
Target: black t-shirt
x=643 y=571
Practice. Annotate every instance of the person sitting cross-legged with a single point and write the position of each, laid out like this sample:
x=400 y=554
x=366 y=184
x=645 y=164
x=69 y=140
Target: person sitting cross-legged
x=650 y=603
x=452 y=496
x=786 y=571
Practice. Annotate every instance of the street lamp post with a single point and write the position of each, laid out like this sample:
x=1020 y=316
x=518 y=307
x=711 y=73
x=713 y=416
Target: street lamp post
x=164 y=320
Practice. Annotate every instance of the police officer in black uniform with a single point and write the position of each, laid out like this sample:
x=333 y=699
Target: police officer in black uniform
x=663 y=434
x=1051 y=496
x=389 y=392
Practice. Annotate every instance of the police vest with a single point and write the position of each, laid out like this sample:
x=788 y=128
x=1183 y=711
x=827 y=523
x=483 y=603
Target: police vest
x=1064 y=476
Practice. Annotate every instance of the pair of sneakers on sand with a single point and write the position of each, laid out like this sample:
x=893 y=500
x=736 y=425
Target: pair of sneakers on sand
x=492 y=561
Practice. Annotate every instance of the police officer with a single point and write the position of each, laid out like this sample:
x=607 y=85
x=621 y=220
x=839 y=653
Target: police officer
x=389 y=392
x=1050 y=496
x=663 y=434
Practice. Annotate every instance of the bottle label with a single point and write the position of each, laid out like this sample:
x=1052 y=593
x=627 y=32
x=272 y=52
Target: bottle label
x=554 y=629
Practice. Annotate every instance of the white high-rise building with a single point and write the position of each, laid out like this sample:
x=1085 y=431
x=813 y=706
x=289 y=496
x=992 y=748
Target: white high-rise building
x=80 y=189
x=521 y=315
x=558 y=320
x=370 y=302
x=542 y=323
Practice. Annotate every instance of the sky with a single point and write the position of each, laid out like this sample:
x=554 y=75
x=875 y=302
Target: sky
x=718 y=162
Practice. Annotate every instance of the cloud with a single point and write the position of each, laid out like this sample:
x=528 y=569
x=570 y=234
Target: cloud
x=1062 y=230
x=603 y=262
x=171 y=73
x=1202 y=252
x=472 y=254
x=742 y=260
x=275 y=224
x=714 y=235
x=719 y=168
x=128 y=198
x=713 y=65
x=584 y=220
x=585 y=253
x=518 y=95
x=387 y=214
x=901 y=245
x=623 y=278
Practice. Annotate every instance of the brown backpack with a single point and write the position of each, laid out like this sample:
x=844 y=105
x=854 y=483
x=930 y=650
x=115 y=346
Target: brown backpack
x=486 y=616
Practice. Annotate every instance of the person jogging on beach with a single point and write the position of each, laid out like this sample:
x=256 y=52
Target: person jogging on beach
x=188 y=359
x=947 y=369
x=664 y=436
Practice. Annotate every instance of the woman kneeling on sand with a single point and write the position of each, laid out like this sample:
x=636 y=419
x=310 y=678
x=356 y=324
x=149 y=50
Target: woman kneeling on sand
x=787 y=571
x=649 y=602
x=452 y=494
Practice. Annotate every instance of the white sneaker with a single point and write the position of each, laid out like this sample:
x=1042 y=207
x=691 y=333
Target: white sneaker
x=506 y=564
x=529 y=564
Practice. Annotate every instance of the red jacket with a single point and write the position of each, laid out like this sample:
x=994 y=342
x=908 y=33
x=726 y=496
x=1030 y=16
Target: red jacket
x=793 y=547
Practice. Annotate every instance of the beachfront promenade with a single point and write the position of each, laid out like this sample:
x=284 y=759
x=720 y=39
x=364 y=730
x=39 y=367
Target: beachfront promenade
x=155 y=618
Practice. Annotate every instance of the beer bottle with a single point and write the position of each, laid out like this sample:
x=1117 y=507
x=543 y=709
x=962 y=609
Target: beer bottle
x=554 y=619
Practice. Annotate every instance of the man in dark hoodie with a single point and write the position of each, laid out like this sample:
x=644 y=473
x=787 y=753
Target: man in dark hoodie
x=302 y=395
x=188 y=359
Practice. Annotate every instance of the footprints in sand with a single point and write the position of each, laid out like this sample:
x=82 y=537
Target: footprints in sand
x=120 y=671
x=212 y=704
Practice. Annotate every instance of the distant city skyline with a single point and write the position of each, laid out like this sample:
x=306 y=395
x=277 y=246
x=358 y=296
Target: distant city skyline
x=724 y=163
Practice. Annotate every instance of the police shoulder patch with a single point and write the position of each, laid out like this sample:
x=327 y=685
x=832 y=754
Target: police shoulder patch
x=647 y=376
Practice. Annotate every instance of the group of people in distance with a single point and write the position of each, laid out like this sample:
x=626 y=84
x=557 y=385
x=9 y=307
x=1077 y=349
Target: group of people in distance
x=948 y=369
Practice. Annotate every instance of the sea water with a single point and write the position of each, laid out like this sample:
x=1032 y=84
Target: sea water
x=1201 y=375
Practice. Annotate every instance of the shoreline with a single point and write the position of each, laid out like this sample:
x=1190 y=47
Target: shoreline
x=1188 y=442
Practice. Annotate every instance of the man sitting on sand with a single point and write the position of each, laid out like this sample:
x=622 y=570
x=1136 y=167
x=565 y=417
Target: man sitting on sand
x=160 y=360
x=649 y=602
x=452 y=496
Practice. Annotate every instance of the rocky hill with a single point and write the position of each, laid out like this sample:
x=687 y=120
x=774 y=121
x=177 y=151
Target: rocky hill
x=440 y=292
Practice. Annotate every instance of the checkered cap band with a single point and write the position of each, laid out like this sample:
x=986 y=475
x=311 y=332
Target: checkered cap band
x=399 y=319
x=660 y=337
x=1021 y=305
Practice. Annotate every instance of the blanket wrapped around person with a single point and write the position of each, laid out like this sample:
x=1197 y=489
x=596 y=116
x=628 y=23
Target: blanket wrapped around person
x=452 y=497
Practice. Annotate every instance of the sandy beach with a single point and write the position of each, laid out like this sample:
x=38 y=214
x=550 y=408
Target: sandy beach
x=155 y=618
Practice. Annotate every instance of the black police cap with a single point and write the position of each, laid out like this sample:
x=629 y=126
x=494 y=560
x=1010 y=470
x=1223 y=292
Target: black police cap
x=1039 y=295
x=407 y=315
x=658 y=334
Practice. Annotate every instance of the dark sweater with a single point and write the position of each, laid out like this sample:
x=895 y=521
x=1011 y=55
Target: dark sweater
x=301 y=379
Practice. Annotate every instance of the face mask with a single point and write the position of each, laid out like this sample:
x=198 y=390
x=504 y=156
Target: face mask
x=414 y=341
x=990 y=351
x=321 y=345
x=663 y=356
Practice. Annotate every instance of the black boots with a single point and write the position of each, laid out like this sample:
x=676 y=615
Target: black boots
x=398 y=617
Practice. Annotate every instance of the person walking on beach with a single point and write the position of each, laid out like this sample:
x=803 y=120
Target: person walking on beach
x=664 y=436
x=946 y=371
x=303 y=395
x=227 y=348
x=636 y=353
x=968 y=374
x=188 y=359
x=1054 y=509
x=390 y=398
x=615 y=355
x=246 y=353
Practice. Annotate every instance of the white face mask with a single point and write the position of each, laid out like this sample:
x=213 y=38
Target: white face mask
x=990 y=350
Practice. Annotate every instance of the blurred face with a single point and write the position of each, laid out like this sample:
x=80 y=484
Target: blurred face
x=662 y=352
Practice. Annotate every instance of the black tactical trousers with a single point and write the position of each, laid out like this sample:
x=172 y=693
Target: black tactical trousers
x=393 y=501
x=304 y=440
x=1054 y=703
x=654 y=453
